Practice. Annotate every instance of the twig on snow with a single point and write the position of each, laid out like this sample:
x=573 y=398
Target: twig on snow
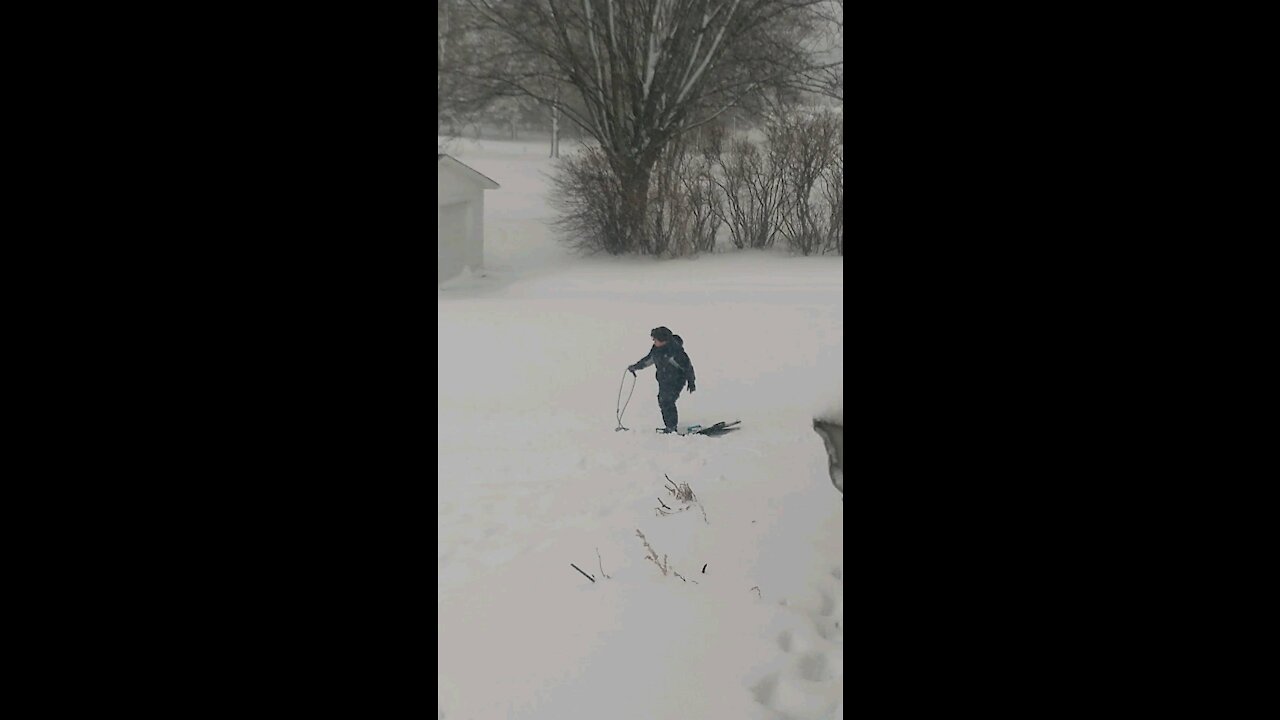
x=601 y=562
x=575 y=567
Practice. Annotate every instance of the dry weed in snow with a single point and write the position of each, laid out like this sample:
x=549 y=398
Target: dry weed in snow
x=684 y=494
x=664 y=565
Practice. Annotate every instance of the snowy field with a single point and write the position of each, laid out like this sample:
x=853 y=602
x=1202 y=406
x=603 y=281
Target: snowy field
x=533 y=477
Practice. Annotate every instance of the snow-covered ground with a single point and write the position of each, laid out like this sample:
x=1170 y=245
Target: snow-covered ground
x=533 y=477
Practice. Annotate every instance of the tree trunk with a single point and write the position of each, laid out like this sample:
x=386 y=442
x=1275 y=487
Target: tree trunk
x=634 y=178
x=555 y=127
x=555 y=132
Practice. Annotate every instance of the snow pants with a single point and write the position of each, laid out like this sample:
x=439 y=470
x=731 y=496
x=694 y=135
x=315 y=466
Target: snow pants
x=667 y=394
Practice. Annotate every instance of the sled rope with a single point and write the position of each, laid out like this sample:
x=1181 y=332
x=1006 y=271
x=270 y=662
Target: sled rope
x=621 y=407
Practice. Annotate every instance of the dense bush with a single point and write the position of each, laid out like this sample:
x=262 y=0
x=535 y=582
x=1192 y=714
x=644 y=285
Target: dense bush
x=586 y=193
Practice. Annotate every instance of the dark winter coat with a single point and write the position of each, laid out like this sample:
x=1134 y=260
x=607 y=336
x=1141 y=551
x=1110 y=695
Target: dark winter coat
x=671 y=362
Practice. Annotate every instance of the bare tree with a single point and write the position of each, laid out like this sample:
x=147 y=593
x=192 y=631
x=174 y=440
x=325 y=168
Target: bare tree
x=807 y=147
x=459 y=54
x=751 y=183
x=644 y=71
x=826 y=78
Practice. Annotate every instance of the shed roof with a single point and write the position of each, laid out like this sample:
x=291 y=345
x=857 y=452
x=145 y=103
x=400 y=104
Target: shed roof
x=480 y=178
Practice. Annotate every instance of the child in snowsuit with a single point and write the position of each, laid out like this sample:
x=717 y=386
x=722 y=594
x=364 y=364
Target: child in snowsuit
x=673 y=370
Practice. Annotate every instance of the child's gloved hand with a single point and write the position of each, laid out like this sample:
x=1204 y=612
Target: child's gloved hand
x=691 y=386
x=632 y=368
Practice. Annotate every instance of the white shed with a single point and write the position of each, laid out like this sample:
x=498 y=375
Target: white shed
x=460 y=216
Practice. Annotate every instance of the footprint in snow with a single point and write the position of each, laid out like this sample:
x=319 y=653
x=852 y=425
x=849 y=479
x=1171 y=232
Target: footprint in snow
x=814 y=667
x=809 y=684
x=828 y=604
x=763 y=690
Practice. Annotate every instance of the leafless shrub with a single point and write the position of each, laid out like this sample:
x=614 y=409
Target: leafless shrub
x=833 y=194
x=680 y=213
x=669 y=203
x=804 y=149
x=706 y=211
x=752 y=193
x=590 y=203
